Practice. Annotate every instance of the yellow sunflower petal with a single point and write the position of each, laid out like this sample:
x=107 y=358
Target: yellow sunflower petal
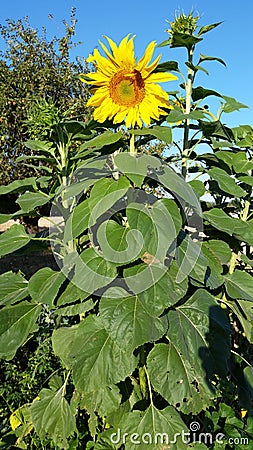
x=161 y=77
x=144 y=61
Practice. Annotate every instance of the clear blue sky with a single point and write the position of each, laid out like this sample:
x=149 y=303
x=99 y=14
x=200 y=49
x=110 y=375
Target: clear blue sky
x=232 y=41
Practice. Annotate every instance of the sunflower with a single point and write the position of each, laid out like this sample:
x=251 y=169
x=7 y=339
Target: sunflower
x=124 y=89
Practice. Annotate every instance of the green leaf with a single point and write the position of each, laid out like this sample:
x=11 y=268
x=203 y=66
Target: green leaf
x=239 y=284
x=95 y=358
x=93 y=271
x=167 y=67
x=135 y=167
x=13 y=288
x=18 y=186
x=232 y=104
x=73 y=310
x=243 y=310
x=106 y=138
x=191 y=358
x=63 y=344
x=104 y=400
x=164 y=287
x=129 y=320
x=52 y=417
x=220 y=249
x=35 y=157
x=16 y=323
x=197 y=262
x=183 y=40
x=44 y=285
x=232 y=226
x=119 y=244
x=199 y=93
x=158 y=224
x=198 y=187
x=207 y=28
x=175 y=116
x=160 y=132
x=210 y=58
x=43 y=146
x=31 y=200
x=70 y=295
x=151 y=429
x=13 y=239
x=104 y=194
x=216 y=129
x=248 y=179
x=177 y=185
x=226 y=183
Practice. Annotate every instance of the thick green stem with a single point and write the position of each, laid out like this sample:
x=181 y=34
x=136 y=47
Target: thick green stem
x=132 y=147
x=149 y=386
x=188 y=93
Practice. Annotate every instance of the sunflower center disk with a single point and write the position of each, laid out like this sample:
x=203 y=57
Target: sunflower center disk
x=127 y=89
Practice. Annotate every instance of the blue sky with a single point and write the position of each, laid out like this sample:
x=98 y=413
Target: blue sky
x=146 y=19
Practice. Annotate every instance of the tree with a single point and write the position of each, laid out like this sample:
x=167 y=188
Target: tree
x=37 y=79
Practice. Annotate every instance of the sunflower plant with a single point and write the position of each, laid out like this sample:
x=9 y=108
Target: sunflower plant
x=151 y=306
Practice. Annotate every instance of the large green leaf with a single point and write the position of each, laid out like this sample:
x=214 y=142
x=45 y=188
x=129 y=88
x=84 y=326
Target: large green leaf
x=159 y=225
x=177 y=379
x=177 y=185
x=31 y=200
x=191 y=358
x=52 y=417
x=95 y=358
x=239 y=284
x=135 y=167
x=43 y=146
x=13 y=288
x=199 y=93
x=104 y=400
x=194 y=328
x=18 y=186
x=63 y=344
x=232 y=104
x=130 y=321
x=70 y=295
x=16 y=323
x=219 y=249
x=230 y=225
x=104 y=194
x=92 y=271
x=216 y=129
x=44 y=285
x=162 y=133
x=183 y=40
x=226 y=183
x=106 y=138
x=13 y=239
x=162 y=292
x=119 y=244
x=152 y=429
x=196 y=261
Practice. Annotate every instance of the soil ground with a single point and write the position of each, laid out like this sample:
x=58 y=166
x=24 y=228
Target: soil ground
x=28 y=263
